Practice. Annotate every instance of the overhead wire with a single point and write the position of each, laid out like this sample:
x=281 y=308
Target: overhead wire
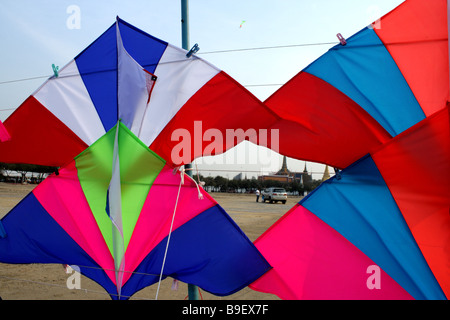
x=24 y=79
x=199 y=53
x=205 y=53
x=269 y=47
x=251 y=49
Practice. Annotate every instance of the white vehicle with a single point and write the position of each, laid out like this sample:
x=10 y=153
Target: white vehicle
x=274 y=195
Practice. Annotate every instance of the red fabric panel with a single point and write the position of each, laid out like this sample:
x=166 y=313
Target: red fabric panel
x=322 y=124
x=38 y=137
x=415 y=34
x=220 y=104
x=416 y=168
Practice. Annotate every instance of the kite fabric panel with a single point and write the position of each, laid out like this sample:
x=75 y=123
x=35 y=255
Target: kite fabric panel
x=385 y=79
x=376 y=106
x=82 y=103
x=64 y=220
x=389 y=210
x=423 y=152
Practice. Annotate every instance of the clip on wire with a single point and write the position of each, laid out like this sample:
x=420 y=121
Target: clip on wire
x=341 y=39
x=193 y=50
x=55 y=70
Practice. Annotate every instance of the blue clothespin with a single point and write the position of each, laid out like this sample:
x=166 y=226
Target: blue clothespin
x=55 y=70
x=2 y=231
x=193 y=50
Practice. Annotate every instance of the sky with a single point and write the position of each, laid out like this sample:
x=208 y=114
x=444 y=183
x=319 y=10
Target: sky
x=38 y=33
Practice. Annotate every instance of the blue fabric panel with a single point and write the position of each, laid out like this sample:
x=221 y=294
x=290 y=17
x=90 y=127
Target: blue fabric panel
x=209 y=251
x=33 y=236
x=364 y=70
x=144 y=48
x=97 y=65
x=361 y=208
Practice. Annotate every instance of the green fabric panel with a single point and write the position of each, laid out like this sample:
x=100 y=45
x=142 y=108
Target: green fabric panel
x=94 y=166
x=139 y=167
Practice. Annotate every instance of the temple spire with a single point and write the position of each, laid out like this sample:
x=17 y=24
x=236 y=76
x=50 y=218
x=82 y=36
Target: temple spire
x=284 y=170
x=326 y=174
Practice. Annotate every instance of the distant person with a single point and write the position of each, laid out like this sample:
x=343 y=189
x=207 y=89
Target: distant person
x=257 y=195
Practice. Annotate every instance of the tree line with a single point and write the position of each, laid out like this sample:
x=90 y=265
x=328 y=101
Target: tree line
x=222 y=184
x=217 y=183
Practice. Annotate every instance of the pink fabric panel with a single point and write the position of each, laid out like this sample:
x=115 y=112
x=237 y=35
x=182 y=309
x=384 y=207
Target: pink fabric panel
x=63 y=198
x=311 y=260
x=154 y=222
x=4 y=135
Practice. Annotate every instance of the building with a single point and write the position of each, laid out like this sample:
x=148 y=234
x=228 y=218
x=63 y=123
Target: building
x=284 y=171
x=285 y=175
x=238 y=176
x=276 y=177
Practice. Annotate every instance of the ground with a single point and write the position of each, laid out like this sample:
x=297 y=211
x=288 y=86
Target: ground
x=48 y=282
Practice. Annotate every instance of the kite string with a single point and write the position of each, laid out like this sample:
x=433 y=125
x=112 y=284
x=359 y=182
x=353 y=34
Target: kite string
x=170 y=232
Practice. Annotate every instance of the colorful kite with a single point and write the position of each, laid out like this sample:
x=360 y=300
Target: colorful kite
x=113 y=208
x=358 y=96
x=377 y=107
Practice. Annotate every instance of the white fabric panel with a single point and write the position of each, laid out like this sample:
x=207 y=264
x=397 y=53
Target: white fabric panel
x=68 y=99
x=115 y=214
x=132 y=88
x=179 y=78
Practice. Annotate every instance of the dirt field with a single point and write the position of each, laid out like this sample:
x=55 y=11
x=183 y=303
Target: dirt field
x=48 y=282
